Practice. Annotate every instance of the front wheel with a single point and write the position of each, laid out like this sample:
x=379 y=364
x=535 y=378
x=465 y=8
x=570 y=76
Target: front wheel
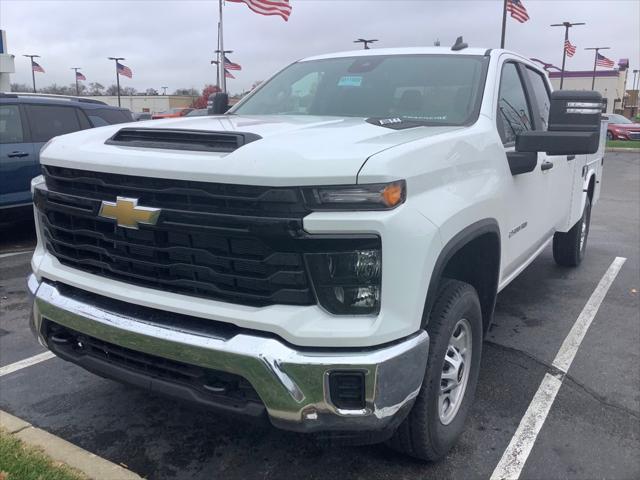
x=441 y=408
x=569 y=248
x=609 y=136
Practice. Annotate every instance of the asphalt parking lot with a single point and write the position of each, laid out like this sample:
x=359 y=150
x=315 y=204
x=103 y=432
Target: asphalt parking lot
x=592 y=430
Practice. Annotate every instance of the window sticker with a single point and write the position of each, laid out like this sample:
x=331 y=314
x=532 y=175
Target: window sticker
x=350 y=81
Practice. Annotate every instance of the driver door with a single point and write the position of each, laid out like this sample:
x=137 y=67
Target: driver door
x=526 y=202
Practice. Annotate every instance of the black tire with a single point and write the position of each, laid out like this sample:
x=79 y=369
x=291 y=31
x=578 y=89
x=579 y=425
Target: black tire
x=569 y=248
x=609 y=135
x=422 y=434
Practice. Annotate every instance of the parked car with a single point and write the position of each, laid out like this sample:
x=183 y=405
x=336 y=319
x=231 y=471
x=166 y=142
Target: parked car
x=621 y=128
x=171 y=113
x=27 y=122
x=198 y=112
x=140 y=116
x=328 y=253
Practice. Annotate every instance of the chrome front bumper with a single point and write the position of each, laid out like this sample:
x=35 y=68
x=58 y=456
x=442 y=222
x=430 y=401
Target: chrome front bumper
x=292 y=383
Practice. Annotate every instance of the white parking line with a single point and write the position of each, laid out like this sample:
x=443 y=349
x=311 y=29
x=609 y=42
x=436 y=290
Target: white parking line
x=516 y=454
x=11 y=254
x=27 y=362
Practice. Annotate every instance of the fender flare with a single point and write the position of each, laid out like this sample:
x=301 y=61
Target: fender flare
x=591 y=173
x=462 y=238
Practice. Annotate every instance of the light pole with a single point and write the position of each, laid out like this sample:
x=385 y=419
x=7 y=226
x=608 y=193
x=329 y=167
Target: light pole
x=117 y=59
x=75 y=69
x=595 y=63
x=33 y=72
x=567 y=26
x=365 y=42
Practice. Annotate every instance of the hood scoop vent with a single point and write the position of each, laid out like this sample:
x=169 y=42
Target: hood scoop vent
x=176 y=139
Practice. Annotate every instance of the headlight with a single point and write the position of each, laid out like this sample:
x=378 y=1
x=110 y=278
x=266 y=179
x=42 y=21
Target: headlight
x=374 y=196
x=347 y=283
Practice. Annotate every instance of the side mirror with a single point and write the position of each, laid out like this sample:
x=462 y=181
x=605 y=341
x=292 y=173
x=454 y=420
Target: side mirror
x=218 y=103
x=574 y=125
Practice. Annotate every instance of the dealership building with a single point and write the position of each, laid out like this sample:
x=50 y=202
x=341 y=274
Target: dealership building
x=610 y=83
x=147 y=103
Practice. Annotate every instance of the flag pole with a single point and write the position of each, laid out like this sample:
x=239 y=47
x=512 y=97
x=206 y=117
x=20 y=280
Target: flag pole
x=116 y=60
x=567 y=26
x=33 y=72
x=223 y=80
x=504 y=23
x=75 y=69
x=564 y=53
x=218 y=64
x=595 y=63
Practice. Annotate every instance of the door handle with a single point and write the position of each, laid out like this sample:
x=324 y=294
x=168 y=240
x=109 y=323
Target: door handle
x=570 y=157
x=17 y=154
x=546 y=166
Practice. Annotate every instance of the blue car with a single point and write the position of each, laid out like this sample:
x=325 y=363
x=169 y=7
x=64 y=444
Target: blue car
x=27 y=122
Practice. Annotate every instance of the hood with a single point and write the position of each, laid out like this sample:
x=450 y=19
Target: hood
x=293 y=150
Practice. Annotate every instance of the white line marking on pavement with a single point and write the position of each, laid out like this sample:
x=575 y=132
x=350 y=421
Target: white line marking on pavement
x=570 y=346
x=27 y=362
x=11 y=254
x=514 y=457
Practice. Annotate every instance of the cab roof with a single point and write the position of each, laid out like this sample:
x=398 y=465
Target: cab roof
x=401 y=51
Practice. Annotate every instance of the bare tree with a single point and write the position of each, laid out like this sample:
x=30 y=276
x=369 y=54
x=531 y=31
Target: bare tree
x=187 y=91
x=58 y=89
x=20 y=87
x=96 y=88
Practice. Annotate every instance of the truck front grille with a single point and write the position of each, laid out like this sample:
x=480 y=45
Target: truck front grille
x=232 y=243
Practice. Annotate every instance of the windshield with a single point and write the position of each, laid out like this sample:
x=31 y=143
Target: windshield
x=431 y=89
x=615 y=118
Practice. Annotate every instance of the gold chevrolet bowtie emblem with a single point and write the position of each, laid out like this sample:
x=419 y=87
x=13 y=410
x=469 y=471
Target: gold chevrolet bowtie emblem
x=128 y=214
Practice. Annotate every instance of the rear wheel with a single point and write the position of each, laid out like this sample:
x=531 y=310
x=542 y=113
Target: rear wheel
x=609 y=136
x=438 y=415
x=569 y=248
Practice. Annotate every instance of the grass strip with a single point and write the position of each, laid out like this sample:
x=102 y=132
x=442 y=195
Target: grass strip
x=623 y=143
x=22 y=462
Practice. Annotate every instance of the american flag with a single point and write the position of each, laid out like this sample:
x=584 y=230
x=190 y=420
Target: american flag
x=80 y=76
x=517 y=10
x=228 y=74
x=268 y=7
x=36 y=68
x=230 y=65
x=570 y=49
x=603 y=61
x=124 y=70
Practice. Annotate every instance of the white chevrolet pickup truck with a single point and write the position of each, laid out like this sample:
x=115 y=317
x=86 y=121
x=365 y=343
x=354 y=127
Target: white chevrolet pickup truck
x=325 y=254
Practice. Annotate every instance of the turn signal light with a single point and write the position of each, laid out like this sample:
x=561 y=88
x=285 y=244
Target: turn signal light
x=372 y=196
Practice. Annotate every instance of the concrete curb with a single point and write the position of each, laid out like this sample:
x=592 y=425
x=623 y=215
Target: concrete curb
x=622 y=150
x=93 y=466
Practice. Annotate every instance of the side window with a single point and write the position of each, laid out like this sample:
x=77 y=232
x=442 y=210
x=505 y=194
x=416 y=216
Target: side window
x=84 y=121
x=10 y=124
x=48 y=121
x=543 y=98
x=109 y=117
x=98 y=121
x=514 y=114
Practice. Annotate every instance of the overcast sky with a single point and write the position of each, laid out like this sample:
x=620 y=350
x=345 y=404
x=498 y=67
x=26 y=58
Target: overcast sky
x=170 y=43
